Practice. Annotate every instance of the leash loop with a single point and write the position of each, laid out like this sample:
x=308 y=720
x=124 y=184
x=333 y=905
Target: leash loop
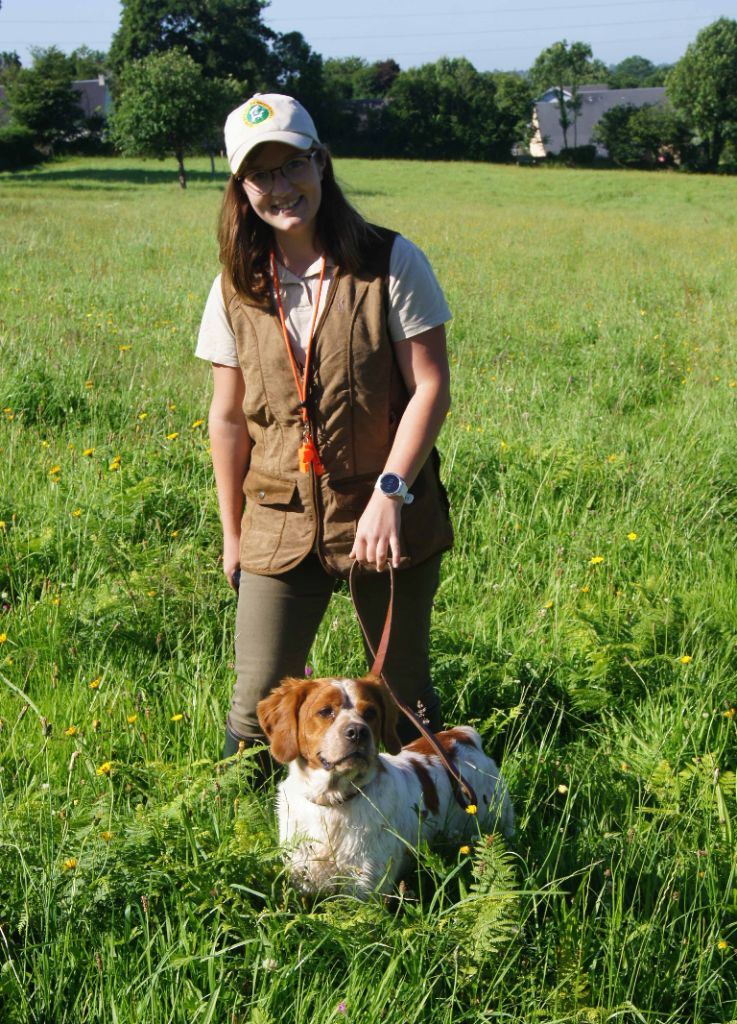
x=462 y=791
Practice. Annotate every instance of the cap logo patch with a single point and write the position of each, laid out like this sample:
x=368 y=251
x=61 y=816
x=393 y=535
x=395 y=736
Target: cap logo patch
x=256 y=113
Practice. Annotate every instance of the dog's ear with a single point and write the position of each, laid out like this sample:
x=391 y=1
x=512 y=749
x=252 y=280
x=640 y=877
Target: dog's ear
x=389 y=714
x=278 y=715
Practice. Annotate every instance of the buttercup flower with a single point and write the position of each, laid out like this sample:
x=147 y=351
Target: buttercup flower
x=95 y=683
x=685 y=659
x=596 y=560
x=132 y=719
x=197 y=423
x=464 y=850
x=87 y=452
x=471 y=809
x=632 y=536
x=177 y=718
x=105 y=768
x=173 y=436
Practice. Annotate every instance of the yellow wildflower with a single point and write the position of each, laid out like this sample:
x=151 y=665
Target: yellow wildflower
x=55 y=469
x=3 y=637
x=685 y=659
x=464 y=850
x=107 y=836
x=124 y=348
x=105 y=768
x=471 y=809
x=89 y=384
x=87 y=452
x=730 y=712
x=562 y=788
x=197 y=423
x=632 y=535
x=132 y=719
x=95 y=683
x=585 y=590
x=173 y=436
x=142 y=415
x=177 y=718
x=77 y=513
x=71 y=731
x=596 y=560
x=70 y=864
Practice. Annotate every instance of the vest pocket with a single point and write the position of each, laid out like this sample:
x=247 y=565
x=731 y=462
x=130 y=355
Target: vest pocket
x=352 y=493
x=263 y=489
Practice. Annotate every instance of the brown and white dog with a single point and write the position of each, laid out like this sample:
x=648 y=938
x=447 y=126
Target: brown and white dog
x=349 y=816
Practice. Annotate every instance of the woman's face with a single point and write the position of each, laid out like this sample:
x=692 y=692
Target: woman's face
x=289 y=208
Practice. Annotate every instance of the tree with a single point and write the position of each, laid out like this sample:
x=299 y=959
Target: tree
x=41 y=98
x=226 y=38
x=703 y=84
x=87 y=63
x=298 y=70
x=514 y=99
x=565 y=68
x=166 y=105
x=647 y=136
x=446 y=111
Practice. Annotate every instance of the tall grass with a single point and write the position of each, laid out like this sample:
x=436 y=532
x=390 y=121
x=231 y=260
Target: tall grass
x=585 y=621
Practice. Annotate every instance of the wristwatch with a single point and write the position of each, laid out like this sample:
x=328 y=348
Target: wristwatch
x=393 y=486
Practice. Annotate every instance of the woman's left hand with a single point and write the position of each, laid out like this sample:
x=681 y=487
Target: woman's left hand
x=377 y=533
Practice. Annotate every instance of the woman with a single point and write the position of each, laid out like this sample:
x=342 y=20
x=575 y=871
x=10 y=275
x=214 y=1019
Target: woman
x=327 y=342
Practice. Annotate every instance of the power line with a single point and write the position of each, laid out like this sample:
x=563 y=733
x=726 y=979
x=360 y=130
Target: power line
x=526 y=29
x=378 y=17
x=502 y=10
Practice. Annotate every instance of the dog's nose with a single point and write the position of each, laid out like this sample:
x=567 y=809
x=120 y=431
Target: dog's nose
x=357 y=732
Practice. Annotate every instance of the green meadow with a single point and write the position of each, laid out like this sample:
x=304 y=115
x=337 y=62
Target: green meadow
x=586 y=621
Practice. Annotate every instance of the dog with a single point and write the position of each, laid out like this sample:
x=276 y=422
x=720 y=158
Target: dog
x=349 y=816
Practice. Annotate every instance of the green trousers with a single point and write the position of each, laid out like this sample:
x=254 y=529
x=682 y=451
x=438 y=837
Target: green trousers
x=278 y=617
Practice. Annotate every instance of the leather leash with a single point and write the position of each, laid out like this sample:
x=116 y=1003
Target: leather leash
x=462 y=790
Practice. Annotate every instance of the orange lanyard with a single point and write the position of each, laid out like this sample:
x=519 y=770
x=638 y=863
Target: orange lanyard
x=308 y=454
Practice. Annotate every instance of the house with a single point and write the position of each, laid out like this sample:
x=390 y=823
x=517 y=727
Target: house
x=548 y=140
x=94 y=97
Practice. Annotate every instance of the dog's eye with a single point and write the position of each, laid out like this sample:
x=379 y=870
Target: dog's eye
x=369 y=714
x=327 y=712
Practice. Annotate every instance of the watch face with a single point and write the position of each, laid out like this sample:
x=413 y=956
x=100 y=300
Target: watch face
x=390 y=483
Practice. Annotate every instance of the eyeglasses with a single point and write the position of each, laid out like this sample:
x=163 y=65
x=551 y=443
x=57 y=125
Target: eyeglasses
x=296 y=170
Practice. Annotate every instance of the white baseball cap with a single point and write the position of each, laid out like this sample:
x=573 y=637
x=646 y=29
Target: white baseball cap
x=267 y=117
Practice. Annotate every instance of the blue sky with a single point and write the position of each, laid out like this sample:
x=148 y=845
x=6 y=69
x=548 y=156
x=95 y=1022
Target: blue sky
x=504 y=34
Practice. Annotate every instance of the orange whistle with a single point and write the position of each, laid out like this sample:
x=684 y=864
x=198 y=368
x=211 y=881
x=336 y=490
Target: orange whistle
x=308 y=455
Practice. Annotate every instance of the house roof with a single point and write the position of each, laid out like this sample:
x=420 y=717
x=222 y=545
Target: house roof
x=595 y=103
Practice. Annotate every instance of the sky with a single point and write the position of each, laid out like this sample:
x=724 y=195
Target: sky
x=492 y=34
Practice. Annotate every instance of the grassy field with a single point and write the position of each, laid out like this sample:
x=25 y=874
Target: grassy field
x=586 y=623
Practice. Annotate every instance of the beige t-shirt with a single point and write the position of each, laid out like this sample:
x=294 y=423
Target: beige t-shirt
x=416 y=303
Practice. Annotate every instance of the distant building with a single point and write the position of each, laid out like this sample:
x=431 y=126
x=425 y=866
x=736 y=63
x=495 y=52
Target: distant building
x=94 y=98
x=548 y=140
x=94 y=95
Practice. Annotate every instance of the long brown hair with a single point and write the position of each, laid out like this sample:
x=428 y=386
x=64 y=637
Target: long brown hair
x=246 y=240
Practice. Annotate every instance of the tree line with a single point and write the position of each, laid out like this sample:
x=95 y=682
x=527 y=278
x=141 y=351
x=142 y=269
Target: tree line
x=178 y=66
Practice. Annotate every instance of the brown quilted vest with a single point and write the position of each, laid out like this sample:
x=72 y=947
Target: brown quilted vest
x=355 y=398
